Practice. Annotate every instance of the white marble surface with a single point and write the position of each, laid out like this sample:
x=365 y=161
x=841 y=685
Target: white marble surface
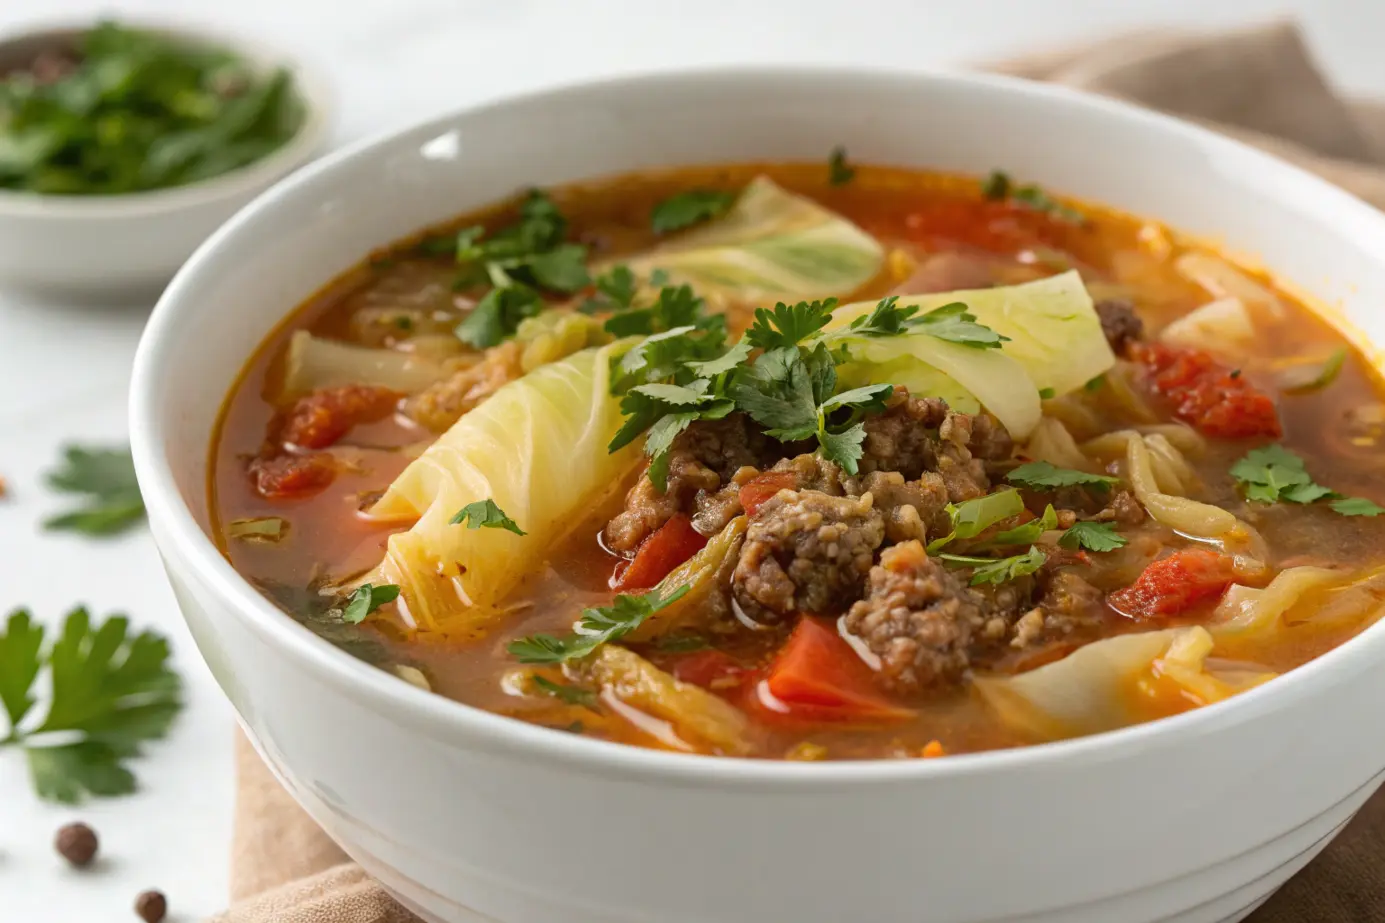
x=64 y=370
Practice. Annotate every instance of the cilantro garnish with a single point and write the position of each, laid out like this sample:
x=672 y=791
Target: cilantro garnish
x=1357 y=506
x=366 y=599
x=596 y=627
x=998 y=570
x=972 y=517
x=839 y=172
x=107 y=477
x=998 y=187
x=1042 y=475
x=572 y=695
x=675 y=306
x=1272 y=474
x=951 y=322
x=498 y=315
x=688 y=208
x=789 y=325
x=616 y=289
x=111 y=693
x=1029 y=532
x=1093 y=536
x=485 y=514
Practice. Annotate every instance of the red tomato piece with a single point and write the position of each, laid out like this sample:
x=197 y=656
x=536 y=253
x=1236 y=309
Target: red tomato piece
x=321 y=418
x=1175 y=584
x=286 y=477
x=673 y=543
x=817 y=677
x=710 y=669
x=756 y=492
x=1215 y=399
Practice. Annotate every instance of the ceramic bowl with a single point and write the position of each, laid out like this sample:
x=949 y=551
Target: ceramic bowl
x=468 y=816
x=116 y=246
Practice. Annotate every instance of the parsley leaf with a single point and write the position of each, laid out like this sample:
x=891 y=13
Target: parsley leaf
x=726 y=362
x=1093 y=536
x=111 y=691
x=688 y=208
x=616 y=289
x=999 y=570
x=1042 y=475
x=777 y=392
x=596 y=627
x=1357 y=506
x=1028 y=533
x=998 y=187
x=886 y=319
x=484 y=513
x=972 y=517
x=498 y=315
x=839 y=172
x=954 y=323
x=562 y=269
x=107 y=477
x=366 y=599
x=675 y=306
x=788 y=325
x=572 y=695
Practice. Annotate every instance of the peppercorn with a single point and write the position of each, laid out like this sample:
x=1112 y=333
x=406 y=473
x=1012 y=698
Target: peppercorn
x=151 y=906
x=77 y=844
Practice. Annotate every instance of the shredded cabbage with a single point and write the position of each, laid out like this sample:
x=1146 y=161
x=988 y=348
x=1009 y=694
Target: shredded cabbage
x=1246 y=610
x=314 y=363
x=1221 y=326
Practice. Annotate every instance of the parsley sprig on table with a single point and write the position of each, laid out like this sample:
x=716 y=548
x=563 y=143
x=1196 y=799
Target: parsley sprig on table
x=597 y=626
x=107 y=478
x=1273 y=474
x=111 y=693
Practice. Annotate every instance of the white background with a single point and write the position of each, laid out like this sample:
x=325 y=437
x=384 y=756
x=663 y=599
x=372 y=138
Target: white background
x=64 y=371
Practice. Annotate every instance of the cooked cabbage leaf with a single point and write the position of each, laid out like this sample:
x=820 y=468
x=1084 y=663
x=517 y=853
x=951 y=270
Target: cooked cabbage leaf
x=313 y=363
x=537 y=449
x=772 y=245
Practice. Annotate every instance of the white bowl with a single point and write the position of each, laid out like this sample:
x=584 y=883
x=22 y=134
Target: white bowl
x=107 y=246
x=468 y=816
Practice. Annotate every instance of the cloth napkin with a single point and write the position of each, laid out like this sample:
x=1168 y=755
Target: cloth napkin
x=1259 y=85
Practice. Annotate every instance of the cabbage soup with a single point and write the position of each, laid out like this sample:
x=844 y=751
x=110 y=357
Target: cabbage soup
x=811 y=462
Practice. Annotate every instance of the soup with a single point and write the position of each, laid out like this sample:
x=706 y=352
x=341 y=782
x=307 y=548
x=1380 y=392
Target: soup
x=794 y=462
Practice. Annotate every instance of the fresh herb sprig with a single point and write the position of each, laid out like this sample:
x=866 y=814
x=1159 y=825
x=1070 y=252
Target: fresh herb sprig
x=112 y=692
x=998 y=570
x=1092 y=536
x=596 y=627
x=366 y=599
x=998 y=187
x=839 y=172
x=685 y=209
x=1042 y=475
x=1273 y=474
x=107 y=478
x=485 y=514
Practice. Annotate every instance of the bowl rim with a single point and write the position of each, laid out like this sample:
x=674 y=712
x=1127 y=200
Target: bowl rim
x=449 y=721
x=309 y=82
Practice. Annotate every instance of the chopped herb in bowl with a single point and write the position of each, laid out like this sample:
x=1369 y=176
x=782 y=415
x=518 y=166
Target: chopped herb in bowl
x=123 y=110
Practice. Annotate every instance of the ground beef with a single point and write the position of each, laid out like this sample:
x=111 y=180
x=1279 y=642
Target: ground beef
x=919 y=434
x=806 y=551
x=1119 y=506
x=1069 y=604
x=646 y=509
x=910 y=509
x=919 y=620
x=1123 y=508
x=1120 y=323
x=727 y=445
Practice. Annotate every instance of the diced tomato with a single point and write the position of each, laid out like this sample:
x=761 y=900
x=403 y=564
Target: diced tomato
x=817 y=677
x=286 y=477
x=1215 y=399
x=321 y=418
x=1175 y=584
x=673 y=543
x=757 y=491
x=710 y=669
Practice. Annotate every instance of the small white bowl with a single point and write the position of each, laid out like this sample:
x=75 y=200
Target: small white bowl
x=117 y=246
x=471 y=817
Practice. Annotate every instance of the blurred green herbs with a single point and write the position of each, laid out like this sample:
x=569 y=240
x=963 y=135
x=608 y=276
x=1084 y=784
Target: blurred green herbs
x=129 y=111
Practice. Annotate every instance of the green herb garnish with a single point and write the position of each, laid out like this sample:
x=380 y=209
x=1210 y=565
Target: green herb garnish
x=596 y=627
x=107 y=477
x=498 y=315
x=972 y=517
x=485 y=514
x=572 y=695
x=1307 y=379
x=952 y=322
x=1029 y=532
x=1093 y=536
x=1042 y=475
x=111 y=693
x=839 y=172
x=1273 y=473
x=998 y=187
x=366 y=599
x=688 y=208
x=998 y=570
x=139 y=111
x=789 y=325
x=1357 y=506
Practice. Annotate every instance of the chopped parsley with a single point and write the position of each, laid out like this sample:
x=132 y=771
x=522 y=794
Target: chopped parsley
x=485 y=514
x=572 y=695
x=1047 y=394
x=366 y=599
x=111 y=693
x=1273 y=474
x=998 y=570
x=952 y=322
x=839 y=172
x=685 y=209
x=597 y=626
x=998 y=187
x=789 y=325
x=107 y=478
x=498 y=314
x=616 y=289
x=1093 y=536
x=1357 y=506
x=1042 y=475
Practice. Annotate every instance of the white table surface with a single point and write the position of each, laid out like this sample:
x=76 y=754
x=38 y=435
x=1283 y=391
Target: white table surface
x=64 y=370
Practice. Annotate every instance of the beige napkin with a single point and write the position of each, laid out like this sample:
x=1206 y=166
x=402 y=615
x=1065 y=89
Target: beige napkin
x=1259 y=85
